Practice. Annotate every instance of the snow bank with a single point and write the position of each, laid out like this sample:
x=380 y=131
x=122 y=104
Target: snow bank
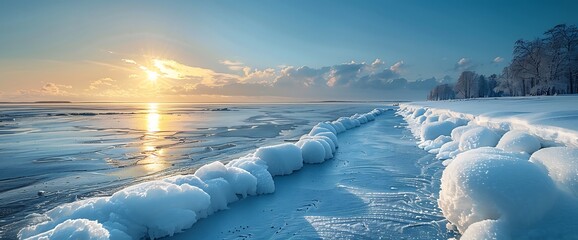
x=164 y=207
x=518 y=141
x=488 y=183
x=503 y=177
x=562 y=166
x=478 y=137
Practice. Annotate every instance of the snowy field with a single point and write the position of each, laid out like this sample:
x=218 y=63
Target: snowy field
x=496 y=169
x=512 y=164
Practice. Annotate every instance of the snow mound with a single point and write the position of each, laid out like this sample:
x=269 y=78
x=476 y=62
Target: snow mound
x=241 y=181
x=77 y=229
x=478 y=137
x=164 y=207
x=313 y=151
x=339 y=127
x=347 y=122
x=502 y=192
x=487 y=230
x=562 y=166
x=448 y=150
x=490 y=184
x=331 y=137
x=518 y=141
x=258 y=169
x=432 y=130
x=151 y=209
x=281 y=159
x=327 y=126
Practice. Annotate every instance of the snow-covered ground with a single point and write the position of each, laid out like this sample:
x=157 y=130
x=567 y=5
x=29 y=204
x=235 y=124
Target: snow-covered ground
x=373 y=187
x=512 y=164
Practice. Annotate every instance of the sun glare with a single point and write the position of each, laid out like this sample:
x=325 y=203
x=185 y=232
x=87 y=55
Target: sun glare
x=152 y=76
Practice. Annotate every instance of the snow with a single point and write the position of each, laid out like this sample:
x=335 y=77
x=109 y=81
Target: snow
x=161 y=208
x=257 y=168
x=562 y=166
x=281 y=159
x=432 y=130
x=518 y=141
x=488 y=230
x=511 y=164
x=77 y=229
x=478 y=137
x=488 y=183
x=313 y=151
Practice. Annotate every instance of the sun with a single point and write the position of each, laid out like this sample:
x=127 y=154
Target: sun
x=152 y=76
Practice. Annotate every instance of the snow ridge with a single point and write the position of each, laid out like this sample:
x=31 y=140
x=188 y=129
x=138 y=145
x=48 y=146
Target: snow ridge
x=501 y=181
x=167 y=206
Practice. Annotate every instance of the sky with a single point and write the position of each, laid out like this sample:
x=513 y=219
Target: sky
x=235 y=51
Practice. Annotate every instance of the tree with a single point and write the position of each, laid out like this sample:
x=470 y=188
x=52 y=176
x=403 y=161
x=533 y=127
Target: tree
x=563 y=44
x=483 y=90
x=492 y=84
x=442 y=92
x=467 y=86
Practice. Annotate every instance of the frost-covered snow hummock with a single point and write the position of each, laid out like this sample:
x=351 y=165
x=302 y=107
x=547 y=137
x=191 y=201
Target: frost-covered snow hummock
x=164 y=207
x=512 y=164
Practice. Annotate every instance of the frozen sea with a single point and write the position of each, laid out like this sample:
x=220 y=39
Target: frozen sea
x=52 y=154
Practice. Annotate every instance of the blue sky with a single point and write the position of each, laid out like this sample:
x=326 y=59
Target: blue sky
x=57 y=49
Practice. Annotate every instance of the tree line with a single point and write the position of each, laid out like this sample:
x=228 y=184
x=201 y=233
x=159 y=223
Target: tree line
x=543 y=66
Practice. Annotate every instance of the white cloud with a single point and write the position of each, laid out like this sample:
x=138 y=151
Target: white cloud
x=498 y=59
x=396 y=67
x=233 y=65
x=464 y=64
x=463 y=61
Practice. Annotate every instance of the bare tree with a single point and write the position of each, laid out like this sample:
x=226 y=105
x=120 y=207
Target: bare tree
x=467 y=86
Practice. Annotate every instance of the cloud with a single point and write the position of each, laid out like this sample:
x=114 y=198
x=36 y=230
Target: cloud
x=233 y=65
x=464 y=64
x=498 y=59
x=55 y=89
x=175 y=70
x=48 y=89
x=397 y=67
x=129 y=61
x=100 y=83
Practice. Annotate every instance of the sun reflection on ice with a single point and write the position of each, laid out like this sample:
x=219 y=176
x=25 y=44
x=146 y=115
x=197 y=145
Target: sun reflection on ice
x=154 y=156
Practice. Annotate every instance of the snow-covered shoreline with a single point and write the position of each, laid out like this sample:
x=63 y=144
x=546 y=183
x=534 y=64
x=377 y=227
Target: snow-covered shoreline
x=164 y=207
x=512 y=164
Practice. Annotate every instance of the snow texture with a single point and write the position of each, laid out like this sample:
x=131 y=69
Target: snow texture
x=161 y=208
x=511 y=164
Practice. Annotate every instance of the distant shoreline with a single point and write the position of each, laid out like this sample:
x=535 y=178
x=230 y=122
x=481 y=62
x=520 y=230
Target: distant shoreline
x=296 y=102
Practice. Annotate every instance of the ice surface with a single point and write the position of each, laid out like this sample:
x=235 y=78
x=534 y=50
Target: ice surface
x=164 y=207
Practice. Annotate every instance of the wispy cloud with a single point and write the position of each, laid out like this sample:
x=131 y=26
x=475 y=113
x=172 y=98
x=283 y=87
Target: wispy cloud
x=233 y=65
x=129 y=61
x=498 y=59
x=100 y=83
